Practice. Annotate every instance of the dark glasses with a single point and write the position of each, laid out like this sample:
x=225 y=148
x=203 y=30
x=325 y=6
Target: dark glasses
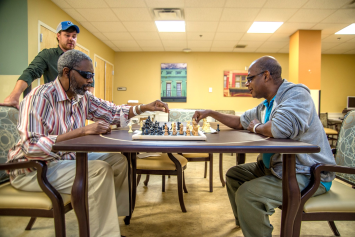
x=86 y=75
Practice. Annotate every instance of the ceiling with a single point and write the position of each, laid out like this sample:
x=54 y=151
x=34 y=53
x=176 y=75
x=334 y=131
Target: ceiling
x=214 y=25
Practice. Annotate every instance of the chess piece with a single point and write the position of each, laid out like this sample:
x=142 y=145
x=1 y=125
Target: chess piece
x=166 y=131
x=188 y=124
x=208 y=128
x=130 y=127
x=181 y=129
x=141 y=124
x=196 y=131
x=174 y=131
x=187 y=131
x=218 y=128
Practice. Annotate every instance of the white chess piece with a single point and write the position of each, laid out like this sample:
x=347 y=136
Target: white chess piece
x=130 y=127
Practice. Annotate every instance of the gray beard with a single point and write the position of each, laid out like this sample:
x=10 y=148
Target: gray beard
x=74 y=87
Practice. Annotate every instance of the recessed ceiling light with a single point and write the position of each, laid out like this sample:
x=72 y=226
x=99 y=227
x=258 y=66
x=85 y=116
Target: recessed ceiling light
x=349 y=30
x=170 y=26
x=264 y=27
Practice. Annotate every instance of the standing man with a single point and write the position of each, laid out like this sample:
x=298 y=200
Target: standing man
x=45 y=63
x=255 y=189
x=56 y=112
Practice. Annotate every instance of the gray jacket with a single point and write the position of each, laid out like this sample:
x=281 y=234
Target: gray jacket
x=294 y=116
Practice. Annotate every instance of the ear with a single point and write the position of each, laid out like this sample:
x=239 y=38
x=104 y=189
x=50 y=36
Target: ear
x=267 y=76
x=66 y=71
x=58 y=34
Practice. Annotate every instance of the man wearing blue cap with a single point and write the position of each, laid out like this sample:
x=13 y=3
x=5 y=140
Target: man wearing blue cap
x=45 y=63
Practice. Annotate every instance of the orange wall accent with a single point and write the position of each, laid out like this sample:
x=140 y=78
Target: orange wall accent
x=308 y=54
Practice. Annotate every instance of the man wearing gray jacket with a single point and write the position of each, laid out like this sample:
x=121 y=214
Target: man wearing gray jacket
x=255 y=189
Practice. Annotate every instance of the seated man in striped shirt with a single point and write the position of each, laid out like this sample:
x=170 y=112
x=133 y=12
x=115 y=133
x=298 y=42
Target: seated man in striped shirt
x=57 y=111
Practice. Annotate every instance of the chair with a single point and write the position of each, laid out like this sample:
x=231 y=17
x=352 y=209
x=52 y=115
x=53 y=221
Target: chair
x=13 y=202
x=339 y=203
x=184 y=115
x=328 y=131
x=165 y=164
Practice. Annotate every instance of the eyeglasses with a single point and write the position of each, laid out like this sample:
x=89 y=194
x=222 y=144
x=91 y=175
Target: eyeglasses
x=86 y=75
x=250 y=78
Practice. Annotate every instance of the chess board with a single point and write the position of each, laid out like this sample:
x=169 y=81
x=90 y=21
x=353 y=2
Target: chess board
x=138 y=136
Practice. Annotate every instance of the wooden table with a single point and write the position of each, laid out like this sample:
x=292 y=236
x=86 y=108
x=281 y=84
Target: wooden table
x=226 y=141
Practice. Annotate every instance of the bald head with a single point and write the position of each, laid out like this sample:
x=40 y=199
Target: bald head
x=268 y=63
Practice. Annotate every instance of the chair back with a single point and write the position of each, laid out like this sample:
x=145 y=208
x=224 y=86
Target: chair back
x=324 y=119
x=8 y=135
x=345 y=155
x=181 y=115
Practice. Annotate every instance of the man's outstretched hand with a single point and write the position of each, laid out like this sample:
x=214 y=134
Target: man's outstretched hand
x=201 y=114
x=157 y=105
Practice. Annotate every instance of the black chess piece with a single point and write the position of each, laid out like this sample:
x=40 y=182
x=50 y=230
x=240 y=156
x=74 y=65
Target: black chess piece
x=218 y=128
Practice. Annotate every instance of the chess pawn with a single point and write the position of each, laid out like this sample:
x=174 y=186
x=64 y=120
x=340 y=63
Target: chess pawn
x=188 y=131
x=130 y=128
x=166 y=131
x=174 y=131
x=208 y=128
x=181 y=129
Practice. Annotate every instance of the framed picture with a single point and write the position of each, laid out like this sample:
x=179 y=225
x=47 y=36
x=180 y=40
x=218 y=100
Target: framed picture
x=234 y=84
x=173 y=82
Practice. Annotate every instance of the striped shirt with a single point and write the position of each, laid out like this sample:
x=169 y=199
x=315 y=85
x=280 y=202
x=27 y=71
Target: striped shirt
x=48 y=112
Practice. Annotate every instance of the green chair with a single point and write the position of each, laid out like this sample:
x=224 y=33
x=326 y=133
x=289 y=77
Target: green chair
x=338 y=204
x=14 y=202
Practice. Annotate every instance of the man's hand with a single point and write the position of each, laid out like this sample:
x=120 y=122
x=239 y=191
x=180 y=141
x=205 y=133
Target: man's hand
x=252 y=124
x=157 y=105
x=200 y=114
x=97 y=128
x=11 y=102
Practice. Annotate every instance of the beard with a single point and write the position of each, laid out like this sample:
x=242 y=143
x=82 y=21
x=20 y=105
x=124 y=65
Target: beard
x=75 y=88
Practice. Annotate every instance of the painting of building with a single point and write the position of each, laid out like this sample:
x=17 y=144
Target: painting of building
x=173 y=82
x=234 y=84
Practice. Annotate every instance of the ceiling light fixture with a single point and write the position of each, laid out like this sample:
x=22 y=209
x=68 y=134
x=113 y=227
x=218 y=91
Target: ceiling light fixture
x=349 y=30
x=264 y=27
x=170 y=26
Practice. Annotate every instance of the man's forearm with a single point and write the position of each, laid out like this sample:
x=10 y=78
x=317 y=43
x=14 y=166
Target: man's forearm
x=19 y=88
x=229 y=120
x=264 y=129
x=79 y=132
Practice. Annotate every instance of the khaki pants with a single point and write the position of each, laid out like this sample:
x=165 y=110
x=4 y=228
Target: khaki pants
x=108 y=194
x=254 y=193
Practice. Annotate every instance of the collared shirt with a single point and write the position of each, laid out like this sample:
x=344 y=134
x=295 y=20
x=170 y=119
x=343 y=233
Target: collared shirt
x=268 y=109
x=47 y=112
x=45 y=63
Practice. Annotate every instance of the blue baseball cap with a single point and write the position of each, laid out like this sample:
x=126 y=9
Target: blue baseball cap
x=64 y=25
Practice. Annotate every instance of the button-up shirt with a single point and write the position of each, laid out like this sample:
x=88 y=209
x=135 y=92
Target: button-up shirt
x=45 y=63
x=48 y=112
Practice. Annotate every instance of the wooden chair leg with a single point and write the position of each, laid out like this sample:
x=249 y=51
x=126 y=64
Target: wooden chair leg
x=205 y=175
x=183 y=180
x=211 y=171
x=179 y=180
x=138 y=179
x=163 y=183
x=334 y=228
x=180 y=188
x=146 y=180
x=30 y=224
x=221 y=176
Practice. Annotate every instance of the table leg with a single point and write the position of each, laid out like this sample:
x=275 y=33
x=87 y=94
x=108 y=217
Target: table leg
x=221 y=169
x=134 y=180
x=79 y=193
x=240 y=158
x=291 y=195
x=127 y=219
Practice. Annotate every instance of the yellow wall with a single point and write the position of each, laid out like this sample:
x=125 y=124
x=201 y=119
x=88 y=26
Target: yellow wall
x=140 y=73
x=49 y=13
x=294 y=56
x=7 y=83
x=338 y=82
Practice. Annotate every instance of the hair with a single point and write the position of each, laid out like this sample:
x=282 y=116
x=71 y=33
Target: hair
x=71 y=59
x=268 y=63
x=69 y=30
